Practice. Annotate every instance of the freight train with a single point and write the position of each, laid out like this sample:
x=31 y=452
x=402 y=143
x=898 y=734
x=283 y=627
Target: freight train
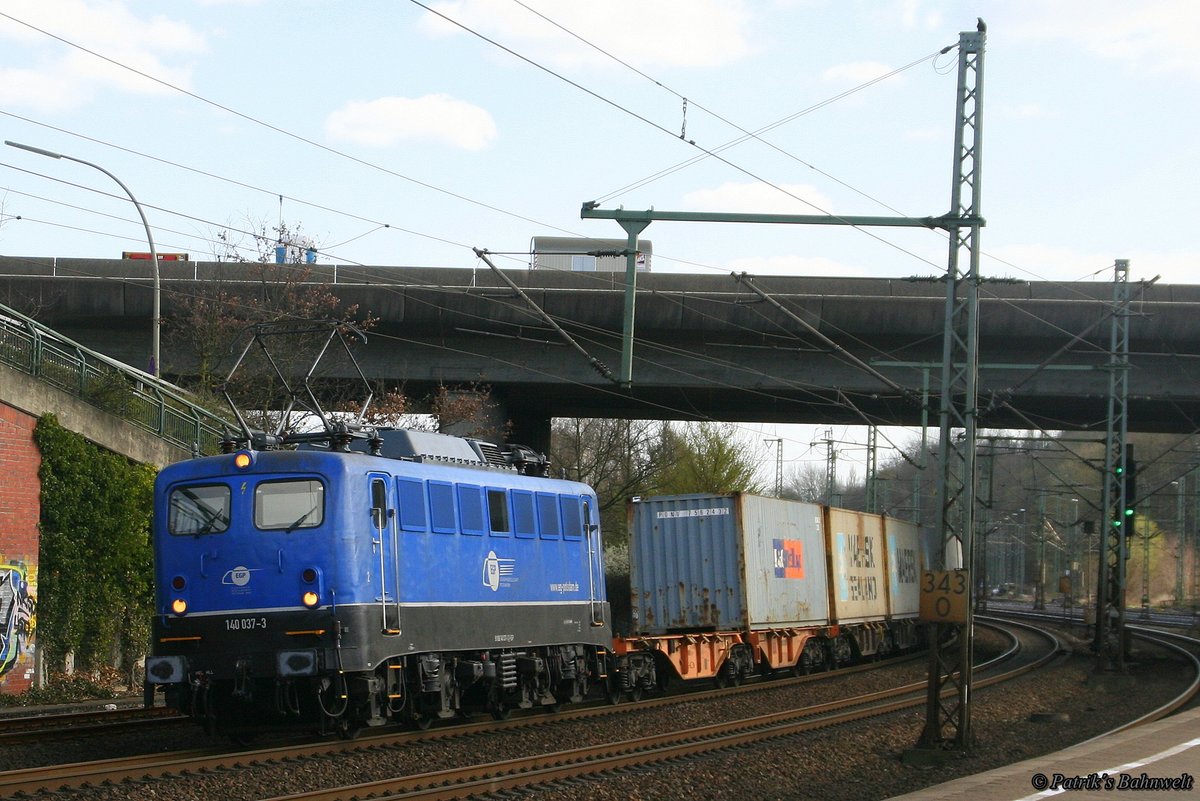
x=436 y=576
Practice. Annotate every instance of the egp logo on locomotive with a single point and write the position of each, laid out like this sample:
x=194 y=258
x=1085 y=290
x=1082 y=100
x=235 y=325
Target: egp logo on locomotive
x=497 y=571
x=238 y=576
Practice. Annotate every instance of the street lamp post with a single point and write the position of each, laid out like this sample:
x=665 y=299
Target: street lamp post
x=155 y=315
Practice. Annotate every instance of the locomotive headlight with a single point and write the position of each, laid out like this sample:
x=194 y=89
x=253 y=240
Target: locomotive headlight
x=179 y=607
x=310 y=599
x=242 y=460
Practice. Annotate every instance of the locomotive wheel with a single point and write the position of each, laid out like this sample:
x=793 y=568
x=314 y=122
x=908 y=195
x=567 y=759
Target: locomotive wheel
x=423 y=722
x=500 y=711
x=348 y=730
x=613 y=694
x=635 y=693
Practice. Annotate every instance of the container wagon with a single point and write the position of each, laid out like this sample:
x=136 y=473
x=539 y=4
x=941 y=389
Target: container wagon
x=725 y=585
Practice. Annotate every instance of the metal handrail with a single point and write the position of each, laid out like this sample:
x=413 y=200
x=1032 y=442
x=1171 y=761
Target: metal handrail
x=139 y=398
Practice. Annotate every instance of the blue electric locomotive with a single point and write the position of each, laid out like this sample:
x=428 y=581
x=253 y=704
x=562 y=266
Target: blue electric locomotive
x=349 y=589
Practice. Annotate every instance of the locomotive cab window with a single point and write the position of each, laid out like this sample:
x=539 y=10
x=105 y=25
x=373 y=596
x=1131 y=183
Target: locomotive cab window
x=194 y=511
x=289 y=505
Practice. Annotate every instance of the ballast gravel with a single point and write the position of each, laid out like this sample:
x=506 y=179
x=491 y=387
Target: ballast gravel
x=856 y=762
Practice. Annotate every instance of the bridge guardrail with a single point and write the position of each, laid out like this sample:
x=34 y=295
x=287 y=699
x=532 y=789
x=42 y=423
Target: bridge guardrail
x=139 y=398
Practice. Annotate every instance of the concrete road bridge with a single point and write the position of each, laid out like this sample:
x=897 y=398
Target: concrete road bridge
x=707 y=346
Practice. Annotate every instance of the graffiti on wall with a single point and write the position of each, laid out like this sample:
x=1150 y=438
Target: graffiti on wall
x=18 y=616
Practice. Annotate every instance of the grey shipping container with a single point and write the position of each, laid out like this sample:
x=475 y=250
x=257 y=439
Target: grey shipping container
x=726 y=562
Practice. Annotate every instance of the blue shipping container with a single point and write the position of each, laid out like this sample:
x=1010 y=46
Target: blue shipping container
x=726 y=562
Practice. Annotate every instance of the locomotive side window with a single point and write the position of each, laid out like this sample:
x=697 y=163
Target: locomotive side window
x=588 y=525
x=498 y=512
x=412 y=504
x=524 y=519
x=470 y=509
x=441 y=507
x=193 y=511
x=379 y=507
x=572 y=518
x=547 y=506
x=289 y=505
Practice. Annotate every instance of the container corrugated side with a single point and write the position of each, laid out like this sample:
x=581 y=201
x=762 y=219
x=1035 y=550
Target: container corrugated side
x=784 y=547
x=904 y=566
x=686 y=564
x=857 y=563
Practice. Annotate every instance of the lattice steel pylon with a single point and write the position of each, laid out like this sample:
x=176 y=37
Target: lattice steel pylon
x=1110 y=589
x=948 y=716
x=873 y=504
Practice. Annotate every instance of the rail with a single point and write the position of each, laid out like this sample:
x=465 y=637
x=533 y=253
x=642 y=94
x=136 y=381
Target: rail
x=139 y=398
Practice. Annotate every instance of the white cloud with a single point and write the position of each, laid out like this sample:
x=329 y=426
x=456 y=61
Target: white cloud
x=758 y=198
x=66 y=77
x=387 y=120
x=1149 y=36
x=681 y=33
x=912 y=16
x=39 y=90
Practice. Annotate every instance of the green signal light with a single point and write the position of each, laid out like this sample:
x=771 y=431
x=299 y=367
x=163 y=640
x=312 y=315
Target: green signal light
x=1129 y=513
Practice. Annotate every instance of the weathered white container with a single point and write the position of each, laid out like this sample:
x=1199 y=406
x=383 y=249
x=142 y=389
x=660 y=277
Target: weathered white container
x=858 y=566
x=726 y=563
x=905 y=561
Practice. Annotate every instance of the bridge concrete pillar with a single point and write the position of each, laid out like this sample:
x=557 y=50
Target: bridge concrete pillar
x=496 y=415
x=530 y=428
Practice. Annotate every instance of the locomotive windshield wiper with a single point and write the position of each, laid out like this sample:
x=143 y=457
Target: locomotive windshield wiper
x=301 y=519
x=210 y=516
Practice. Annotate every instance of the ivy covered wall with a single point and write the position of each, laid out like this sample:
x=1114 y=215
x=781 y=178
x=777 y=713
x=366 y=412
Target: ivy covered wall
x=95 y=589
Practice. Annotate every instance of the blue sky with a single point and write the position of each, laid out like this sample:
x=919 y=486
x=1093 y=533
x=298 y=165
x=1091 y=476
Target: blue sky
x=399 y=139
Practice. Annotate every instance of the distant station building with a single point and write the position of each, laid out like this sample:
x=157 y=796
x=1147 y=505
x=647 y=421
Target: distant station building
x=586 y=255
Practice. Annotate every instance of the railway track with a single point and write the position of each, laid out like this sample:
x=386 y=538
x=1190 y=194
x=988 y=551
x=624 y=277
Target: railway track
x=507 y=774
x=97 y=723
x=1184 y=646
x=592 y=761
